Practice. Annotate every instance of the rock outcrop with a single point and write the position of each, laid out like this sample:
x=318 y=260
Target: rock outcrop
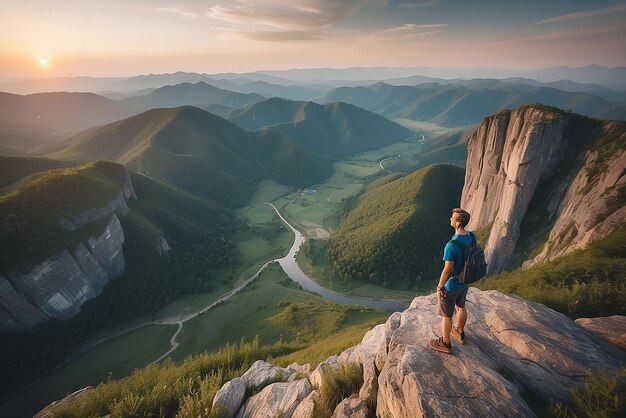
x=58 y=286
x=515 y=153
x=513 y=348
x=609 y=328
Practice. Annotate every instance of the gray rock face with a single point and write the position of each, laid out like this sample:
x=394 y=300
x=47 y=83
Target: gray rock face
x=228 y=399
x=305 y=408
x=58 y=286
x=351 y=408
x=163 y=247
x=609 y=328
x=277 y=399
x=16 y=313
x=509 y=156
x=262 y=374
x=585 y=214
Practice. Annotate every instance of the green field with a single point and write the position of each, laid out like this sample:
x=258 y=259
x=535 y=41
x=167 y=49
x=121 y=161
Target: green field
x=424 y=128
x=273 y=308
x=268 y=191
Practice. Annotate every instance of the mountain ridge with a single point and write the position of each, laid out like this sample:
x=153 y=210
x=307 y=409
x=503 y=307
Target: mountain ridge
x=185 y=145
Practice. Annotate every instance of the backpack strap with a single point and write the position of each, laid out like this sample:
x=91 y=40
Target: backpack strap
x=463 y=246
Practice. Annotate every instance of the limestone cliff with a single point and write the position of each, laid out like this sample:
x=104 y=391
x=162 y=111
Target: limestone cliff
x=546 y=172
x=58 y=286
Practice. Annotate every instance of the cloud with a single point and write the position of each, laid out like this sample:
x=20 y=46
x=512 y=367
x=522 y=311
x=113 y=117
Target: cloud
x=178 y=10
x=288 y=16
x=582 y=15
x=411 y=3
x=281 y=36
x=404 y=32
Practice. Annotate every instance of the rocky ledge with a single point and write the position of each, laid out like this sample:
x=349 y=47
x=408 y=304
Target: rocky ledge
x=515 y=350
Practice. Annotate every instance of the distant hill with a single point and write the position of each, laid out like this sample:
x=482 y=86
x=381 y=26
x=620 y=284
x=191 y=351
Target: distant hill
x=199 y=94
x=335 y=129
x=27 y=122
x=291 y=92
x=13 y=169
x=451 y=105
x=450 y=148
x=396 y=231
x=198 y=152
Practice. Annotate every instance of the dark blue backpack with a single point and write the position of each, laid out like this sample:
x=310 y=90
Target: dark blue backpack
x=474 y=264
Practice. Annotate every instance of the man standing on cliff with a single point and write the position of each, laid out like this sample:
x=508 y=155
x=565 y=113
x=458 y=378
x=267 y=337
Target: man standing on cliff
x=450 y=291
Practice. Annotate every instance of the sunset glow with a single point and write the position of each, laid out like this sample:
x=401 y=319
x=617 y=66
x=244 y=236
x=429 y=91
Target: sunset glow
x=127 y=38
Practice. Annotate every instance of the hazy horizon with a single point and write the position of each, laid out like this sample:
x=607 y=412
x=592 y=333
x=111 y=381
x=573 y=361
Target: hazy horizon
x=111 y=39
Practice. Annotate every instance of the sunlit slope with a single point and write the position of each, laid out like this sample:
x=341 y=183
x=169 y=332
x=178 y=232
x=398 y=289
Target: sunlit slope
x=335 y=129
x=396 y=232
x=198 y=152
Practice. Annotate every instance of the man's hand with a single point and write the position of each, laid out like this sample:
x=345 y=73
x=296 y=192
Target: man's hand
x=441 y=291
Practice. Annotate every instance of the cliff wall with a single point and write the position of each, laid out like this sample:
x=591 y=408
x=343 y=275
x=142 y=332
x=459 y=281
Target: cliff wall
x=539 y=153
x=58 y=286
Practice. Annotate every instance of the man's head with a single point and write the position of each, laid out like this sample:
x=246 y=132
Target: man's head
x=459 y=218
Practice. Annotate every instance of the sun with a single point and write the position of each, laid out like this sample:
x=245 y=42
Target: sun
x=43 y=61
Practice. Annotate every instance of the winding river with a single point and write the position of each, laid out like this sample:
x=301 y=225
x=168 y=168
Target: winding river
x=289 y=264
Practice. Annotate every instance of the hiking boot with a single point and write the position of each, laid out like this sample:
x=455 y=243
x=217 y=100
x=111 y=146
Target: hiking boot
x=439 y=345
x=460 y=336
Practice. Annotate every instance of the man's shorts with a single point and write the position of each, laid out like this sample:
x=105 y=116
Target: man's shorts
x=447 y=303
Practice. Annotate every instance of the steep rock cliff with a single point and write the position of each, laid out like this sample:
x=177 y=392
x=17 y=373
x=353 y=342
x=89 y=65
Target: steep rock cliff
x=557 y=164
x=59 y=285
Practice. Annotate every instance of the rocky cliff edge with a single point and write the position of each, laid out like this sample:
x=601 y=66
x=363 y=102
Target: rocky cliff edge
x=574 y=167
x=58 y=286
x=516 y=352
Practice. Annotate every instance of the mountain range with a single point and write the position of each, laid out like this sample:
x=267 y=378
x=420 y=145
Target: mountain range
x=335 y=129
x=451 y=105
x=185 y=146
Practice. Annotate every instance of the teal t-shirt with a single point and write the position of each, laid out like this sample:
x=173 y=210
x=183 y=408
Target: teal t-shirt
x=452 y=252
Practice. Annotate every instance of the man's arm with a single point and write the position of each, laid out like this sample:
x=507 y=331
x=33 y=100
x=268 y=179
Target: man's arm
x=445 y=274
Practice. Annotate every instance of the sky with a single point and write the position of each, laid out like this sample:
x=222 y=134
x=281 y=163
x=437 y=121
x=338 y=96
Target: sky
x=50 y=38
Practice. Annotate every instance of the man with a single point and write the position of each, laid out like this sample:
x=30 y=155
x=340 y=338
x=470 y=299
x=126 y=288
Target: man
x=450 y=291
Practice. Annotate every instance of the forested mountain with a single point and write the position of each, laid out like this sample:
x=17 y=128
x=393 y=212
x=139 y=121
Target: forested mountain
x=396 y=232
x=335 y=129
x=172 y=244
x=187 y=147
x=198 y=94
x=27 y=122
x=451 y=105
